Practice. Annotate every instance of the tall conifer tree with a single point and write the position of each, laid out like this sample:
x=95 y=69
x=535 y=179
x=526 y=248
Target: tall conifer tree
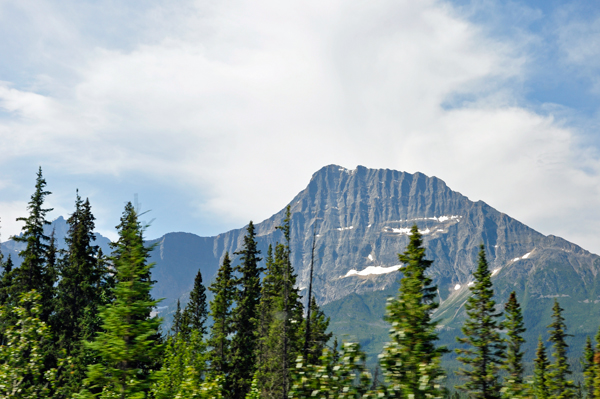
x=220 y=311
x=411 y=360
x=482 y=334
x=513 y=382
x=195 y=313
x=243 y=345
x=558 y=384
x=79 y=291
x=540 y=372
x=128 y=345
x=33 y=274
x=587 y=365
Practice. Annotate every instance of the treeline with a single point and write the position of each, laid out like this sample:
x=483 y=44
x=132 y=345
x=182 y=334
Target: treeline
x=77 y=323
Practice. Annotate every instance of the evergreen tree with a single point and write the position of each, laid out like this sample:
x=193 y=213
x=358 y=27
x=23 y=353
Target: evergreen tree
x=79 y=292
x=596 y=368
x=195 y=313
x=183 y=367
x=33 y=274
x=540 y=372
x=177 y=321
x=21 y=359
x=6 y=281
x=128 y=345
x=243 y=345
x=513 y=384
x=558 y=385
x=411 y=360
x=220 y=311
x=318 y=335
x=280 y=339
x=587 y=365
x=482 y=334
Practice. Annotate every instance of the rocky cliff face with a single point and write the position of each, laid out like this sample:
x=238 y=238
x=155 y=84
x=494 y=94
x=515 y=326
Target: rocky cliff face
x=362 y=218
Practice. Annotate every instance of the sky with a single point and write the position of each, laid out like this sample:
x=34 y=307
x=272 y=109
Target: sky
x=216 y=113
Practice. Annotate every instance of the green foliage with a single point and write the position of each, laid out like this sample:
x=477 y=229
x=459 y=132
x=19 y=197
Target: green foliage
x=80 y=293
x=195 y=313
x=513 y=382
x=177 y=321
x=243 y=345
x=33 y=274
x=128 y=345
x=559 y=386
x=220 y=311
x=596 y=382
x=482 y=334
x=22 y=357
x=335 y=377
x=588 y=367
x=540 y=372
x=411 y=361
x=183 y=367
x=318 y=335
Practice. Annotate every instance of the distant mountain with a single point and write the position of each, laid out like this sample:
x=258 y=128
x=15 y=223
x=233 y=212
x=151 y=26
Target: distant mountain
x=60 y=228
x=363 y=217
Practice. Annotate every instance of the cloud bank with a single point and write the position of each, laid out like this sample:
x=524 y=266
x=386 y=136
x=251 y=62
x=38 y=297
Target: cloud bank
x=223 y=110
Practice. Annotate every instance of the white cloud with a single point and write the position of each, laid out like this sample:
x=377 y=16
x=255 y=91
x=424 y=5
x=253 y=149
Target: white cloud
x=241 y=102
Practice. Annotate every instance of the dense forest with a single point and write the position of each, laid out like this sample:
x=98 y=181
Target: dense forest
x=78 y=323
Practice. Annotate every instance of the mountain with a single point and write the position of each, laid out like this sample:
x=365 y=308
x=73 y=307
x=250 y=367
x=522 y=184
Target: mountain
x=362 y=218
x=60 y=228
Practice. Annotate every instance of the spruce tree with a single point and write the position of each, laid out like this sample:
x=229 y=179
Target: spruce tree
x=540 y=372
x=411 y=360
x=318 y=335
x=587 y=365
x=195 y=313
x=128 y=346
x=482 y=334
x=33 y=274
x=558 y=385
x=280 y=332
x=513 y=382
x=176 y=327
x=596 y=368
x=243 y=345
x=220 y=312
x=79 y=292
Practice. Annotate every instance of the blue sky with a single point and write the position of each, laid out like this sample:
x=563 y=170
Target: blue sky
x=215 y=113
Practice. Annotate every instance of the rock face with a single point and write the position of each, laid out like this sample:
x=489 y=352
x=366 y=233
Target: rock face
x=362 y=218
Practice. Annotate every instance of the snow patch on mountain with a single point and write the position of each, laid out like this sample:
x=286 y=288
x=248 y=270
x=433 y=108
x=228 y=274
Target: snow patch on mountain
x=523 y=257
x=373 y=270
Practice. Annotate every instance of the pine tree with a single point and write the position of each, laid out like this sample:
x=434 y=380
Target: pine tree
x=79 y=292
x=128 y=345
x=596 y=382
x=482 y=334
x=540 y=372
x=513 y=384
x=220 y=311
x=411 y=360
x=558 y=385
x=318 y=335
x=195 y=313
x=587 y=365
x=33 y=274
x=177 y=321
x=280 y=339
x=243 y=345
